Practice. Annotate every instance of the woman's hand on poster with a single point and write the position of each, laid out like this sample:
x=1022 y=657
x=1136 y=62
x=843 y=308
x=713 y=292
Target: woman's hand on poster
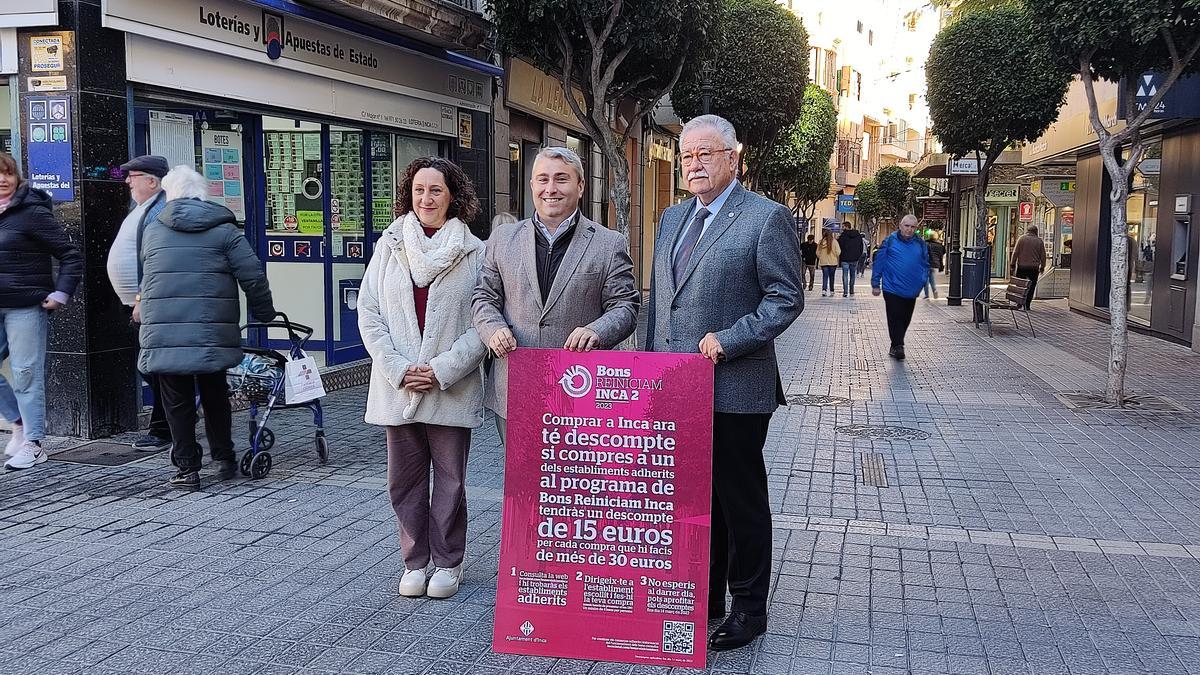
x=502 y=342
x=582 y=339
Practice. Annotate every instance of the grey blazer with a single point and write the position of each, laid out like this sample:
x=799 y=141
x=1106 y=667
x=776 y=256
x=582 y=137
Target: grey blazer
x=594 y=288
x=742 y=284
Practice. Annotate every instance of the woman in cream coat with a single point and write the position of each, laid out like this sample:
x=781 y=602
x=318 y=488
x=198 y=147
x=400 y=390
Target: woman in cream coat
x=414 y=313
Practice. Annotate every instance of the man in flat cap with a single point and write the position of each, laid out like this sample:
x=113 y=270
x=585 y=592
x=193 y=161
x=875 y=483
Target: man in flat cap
x=144 y=176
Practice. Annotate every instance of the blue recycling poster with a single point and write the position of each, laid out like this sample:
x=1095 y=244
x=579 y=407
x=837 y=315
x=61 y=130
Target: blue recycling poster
x=50 y=146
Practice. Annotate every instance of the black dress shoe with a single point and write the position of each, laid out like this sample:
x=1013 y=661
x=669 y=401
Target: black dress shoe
x=897 y=353
x=226 y=469
x=739 y=630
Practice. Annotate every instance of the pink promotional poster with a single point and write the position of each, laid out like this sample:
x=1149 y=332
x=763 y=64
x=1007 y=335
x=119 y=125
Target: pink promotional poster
x=607 y=498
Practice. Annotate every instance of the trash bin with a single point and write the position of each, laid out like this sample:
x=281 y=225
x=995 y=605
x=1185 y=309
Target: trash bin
x=976 y=272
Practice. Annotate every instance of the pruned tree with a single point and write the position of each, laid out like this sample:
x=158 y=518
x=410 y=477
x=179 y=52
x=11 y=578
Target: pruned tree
x=1121 y=41
x=800 y=161
x=758 y=83
x=964 y=7
x=895 y=190
x=869 y=205
x=613 y=52
x=992 y=83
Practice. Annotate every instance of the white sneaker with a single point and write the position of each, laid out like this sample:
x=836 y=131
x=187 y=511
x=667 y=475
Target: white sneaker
x=412 y=584
x=30 y=455
x=17 y=440
x=444 y=582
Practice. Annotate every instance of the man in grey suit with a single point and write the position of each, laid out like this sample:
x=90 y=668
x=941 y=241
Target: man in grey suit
x=557 y=280
x=727 y=281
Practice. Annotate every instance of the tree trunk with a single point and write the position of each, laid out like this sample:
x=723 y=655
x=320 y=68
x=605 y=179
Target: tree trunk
x=1118 y=265
x=981 y=186
x=619 y=190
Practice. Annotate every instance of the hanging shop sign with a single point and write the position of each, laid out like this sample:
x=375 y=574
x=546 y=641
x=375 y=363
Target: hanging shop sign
x=294 y=43
x=845 y=203
x=1182 y=100
x=1002 y=194
x=1025 y=212
x=962 y=167
x=533 y=91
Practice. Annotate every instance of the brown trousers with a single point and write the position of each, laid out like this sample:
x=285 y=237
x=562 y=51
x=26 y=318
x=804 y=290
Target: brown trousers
x=436 y=526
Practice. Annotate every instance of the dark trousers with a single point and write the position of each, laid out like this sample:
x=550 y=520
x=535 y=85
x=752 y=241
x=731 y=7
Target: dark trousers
x=158 y=416
x=899 y=315
x=828 y=273
x=741 y=514
x=810 y=272
x=179 y=403
x=1030 y=273
x=431 y=527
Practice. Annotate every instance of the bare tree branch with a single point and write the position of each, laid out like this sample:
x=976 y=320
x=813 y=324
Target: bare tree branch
x=610 y=72
x=676 y=71
x=1089 y=87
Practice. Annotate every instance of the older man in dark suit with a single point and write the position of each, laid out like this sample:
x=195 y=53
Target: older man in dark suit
x=727 y=281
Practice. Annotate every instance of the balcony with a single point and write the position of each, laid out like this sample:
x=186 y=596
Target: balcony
x=894 y=148
x=450 y=24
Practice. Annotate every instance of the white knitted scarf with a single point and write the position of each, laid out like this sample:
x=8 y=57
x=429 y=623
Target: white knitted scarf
x=429 y=257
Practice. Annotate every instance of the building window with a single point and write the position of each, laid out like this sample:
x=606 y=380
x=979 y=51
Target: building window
x=910 y=21
x=581 y=147
x=1142 y=217
x=860 y=27
x=858 y=85
x=831 y=72
x=814 y=65
x=870 y=37
x=912 y=101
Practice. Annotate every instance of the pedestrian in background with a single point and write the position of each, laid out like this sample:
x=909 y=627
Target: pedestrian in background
x=144 y=176
x=808 y=251
x=901 y=270
x=194 y=257
x=414 y=314
x=557 y=280
x=1029 y=260
x=828 y=257
x=502 y=218
x=850 y=243
x=865 y=260
x=30 y=238
x=730 y=308
x=936 y=253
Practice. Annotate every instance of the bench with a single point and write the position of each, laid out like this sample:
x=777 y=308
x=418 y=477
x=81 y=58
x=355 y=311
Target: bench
x=1013 y=300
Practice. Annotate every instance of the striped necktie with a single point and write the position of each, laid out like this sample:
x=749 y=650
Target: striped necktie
x=688 y=244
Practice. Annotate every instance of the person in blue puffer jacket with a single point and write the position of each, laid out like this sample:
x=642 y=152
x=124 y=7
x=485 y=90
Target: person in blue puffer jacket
x=899 y=272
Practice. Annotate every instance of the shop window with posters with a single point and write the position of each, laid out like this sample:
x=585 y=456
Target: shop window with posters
x=293 y=172
x=1142 y=218
x=6 y=135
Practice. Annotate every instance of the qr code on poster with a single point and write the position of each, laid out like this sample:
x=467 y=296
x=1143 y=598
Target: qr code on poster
x=678 y=637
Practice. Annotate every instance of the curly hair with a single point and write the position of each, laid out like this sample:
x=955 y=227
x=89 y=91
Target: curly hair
x=464 y=205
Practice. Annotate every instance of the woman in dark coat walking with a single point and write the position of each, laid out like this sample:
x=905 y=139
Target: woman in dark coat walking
x=194 y=257
x=29 y=238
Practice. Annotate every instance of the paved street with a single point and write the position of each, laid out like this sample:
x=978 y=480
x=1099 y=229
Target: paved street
x=1013 y=534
